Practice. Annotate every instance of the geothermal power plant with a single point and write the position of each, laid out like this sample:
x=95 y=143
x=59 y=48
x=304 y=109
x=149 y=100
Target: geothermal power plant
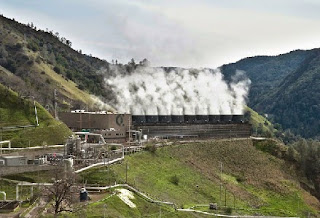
x=179 y=103
x=124 y=127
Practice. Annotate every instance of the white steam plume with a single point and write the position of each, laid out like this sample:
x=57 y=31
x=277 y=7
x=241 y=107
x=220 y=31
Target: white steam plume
x=152 y=91
x=100 y=105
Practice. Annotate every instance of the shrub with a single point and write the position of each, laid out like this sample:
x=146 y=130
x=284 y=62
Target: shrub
x=57 y=69
x=228 y=210
x=174 y=180
x=113 y=147
x=151 y=148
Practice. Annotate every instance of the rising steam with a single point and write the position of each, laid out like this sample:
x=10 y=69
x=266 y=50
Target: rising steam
x=153 y=91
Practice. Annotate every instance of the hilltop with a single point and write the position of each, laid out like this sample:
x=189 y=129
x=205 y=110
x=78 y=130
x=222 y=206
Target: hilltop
x=16 y=112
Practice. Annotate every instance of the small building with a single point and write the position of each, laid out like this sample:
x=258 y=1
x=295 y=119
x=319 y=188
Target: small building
x=12 y=161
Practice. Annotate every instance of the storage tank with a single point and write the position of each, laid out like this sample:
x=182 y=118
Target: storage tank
x=83 y=195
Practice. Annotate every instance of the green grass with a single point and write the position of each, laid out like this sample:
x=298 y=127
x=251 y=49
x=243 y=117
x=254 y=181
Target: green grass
x=260 y=124
x=255 y=178
x=112 y=206
x=34 y=177
x=15 y=111
x=9 y=188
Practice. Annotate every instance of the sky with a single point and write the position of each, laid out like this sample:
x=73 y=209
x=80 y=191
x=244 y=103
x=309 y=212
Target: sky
x=183 y=33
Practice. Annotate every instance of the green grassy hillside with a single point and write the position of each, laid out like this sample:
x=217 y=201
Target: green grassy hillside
x=112 y=206
x=189 y=175
x=261 y=126
x=16 y=111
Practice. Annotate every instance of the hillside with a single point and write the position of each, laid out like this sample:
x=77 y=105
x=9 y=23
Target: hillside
x=189 y=175
x=16 y=112
x=286 y=87
x=35 y=62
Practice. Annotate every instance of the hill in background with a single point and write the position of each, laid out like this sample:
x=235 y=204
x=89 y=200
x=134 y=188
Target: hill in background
x=286 y=87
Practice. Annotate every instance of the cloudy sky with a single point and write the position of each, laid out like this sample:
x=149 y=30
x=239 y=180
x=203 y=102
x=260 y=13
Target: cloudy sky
x=203 y=33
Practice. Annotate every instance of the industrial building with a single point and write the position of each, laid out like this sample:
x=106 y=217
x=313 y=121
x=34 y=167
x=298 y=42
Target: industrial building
x=116 y=127
x=13 y=161
x=112 y=126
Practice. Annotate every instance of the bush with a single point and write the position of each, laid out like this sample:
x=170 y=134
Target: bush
x=174 y=180
x=57 y=69
x=113 y=148
x=151 y=148
x=33 y=46
x=228 y=210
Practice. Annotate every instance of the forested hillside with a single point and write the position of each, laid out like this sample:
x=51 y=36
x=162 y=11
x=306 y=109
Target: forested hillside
x=35 y=62
x=286 y=87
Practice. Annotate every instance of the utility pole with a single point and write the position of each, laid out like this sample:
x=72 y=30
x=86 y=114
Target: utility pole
x=225 y=196
x=129 y=129
x=55 y=104
x=104 y=210
x=126 y=172
x=220 y=181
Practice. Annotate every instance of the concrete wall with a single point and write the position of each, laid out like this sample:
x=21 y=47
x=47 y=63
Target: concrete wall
x=22 y=169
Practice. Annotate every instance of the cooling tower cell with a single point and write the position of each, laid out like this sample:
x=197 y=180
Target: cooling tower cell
x=202 y=118
x=138 y=119
x=237 y=118
x=152 y=118
x=226 y=118
x=164 y=118
x=190 y=118
x=177 y=118
x=214 y=118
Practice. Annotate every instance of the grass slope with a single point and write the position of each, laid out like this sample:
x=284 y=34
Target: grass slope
x=112 y=206
x=189 y=175
x=15 y=111
x=260 y=124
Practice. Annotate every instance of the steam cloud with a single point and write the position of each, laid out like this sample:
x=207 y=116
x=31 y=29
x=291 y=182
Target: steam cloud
x=152 y=91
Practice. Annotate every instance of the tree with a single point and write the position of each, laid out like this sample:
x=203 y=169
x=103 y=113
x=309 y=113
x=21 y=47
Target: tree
x=132 y=62
x=61 y=191
x=144 y=63
x=68 y=43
